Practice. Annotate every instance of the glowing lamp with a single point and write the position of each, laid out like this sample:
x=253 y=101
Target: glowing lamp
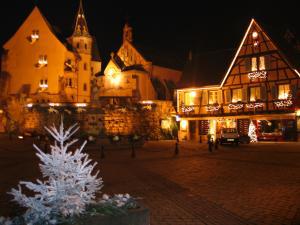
x=254 y=35
x=298 y=112
x=183 y=124
x=177 y=118
x=1 y=111
x=81 y=104
x=54 y=104
x=20 y=137
x=193 y=94
x=29 y=105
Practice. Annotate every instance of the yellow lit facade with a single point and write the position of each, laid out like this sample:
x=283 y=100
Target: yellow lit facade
x=41 y=67
x=130 y=75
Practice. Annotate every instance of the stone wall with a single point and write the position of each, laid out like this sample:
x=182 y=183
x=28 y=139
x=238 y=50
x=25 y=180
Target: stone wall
x=144 y=121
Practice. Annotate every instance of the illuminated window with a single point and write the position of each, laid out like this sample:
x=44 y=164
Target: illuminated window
x=258 y=63
x=213 y=97
x=237 y=95
x=189 y=98
x=43 y=61
x=262 y=65
x=254 y=93
x=253 y=64
x=43 y=83
x=283 y=91
x=34 y=36
x=84 y=87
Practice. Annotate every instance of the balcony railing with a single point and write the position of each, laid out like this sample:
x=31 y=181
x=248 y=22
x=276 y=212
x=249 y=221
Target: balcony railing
x=277 y=105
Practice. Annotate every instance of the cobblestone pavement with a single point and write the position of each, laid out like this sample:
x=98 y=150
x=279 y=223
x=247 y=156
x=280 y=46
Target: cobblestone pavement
x=250 y=184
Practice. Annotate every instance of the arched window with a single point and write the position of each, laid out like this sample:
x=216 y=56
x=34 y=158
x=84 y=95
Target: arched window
x=84 y=87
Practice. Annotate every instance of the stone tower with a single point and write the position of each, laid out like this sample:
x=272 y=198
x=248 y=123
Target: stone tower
x=82 y=41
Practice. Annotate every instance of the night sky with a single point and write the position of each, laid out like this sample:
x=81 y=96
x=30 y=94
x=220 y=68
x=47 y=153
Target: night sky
x=164 y=25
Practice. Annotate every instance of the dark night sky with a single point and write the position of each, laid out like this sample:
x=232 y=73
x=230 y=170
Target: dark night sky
x=164 y=25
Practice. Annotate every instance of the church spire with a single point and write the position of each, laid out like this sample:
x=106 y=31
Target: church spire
x=127 y=32
x=81 y=28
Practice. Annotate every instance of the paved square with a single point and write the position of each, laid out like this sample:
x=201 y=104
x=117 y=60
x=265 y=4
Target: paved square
x=250 y=184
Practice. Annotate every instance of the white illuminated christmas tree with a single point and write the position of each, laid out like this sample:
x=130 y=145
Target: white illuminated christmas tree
x=69 y=186
x=252 y=132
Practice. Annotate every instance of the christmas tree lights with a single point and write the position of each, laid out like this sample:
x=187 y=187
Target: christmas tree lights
x=252 y=132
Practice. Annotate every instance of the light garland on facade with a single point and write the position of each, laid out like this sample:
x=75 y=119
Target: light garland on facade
x=255 y=105
x=186 y=109
x=283 y=103
x=235 y=106
x=212 y=108
x=258 y=74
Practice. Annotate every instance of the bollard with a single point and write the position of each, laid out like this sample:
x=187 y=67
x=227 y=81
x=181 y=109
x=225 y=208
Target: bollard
x=176 y=148
x=102 y=152
x=132 y=150
x=216 y=144
x=210 y=145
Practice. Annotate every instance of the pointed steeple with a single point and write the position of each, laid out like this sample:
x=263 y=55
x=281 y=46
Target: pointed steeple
x=81 y=28
x=127 y=32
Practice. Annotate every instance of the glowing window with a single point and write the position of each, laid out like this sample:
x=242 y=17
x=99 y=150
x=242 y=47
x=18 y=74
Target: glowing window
x=189 y=98
x=237 y=95
x=254 y=93
x=213 y=97
x=43 y=61
x=283 y=91
x=262 y=65
x=253 y=64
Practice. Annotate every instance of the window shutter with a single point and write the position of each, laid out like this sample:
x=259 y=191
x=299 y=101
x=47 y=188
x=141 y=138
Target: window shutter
x=294 y=90
x=248 y=64
x=245 y=94
x=263 y=93
x=268 y=62
x=204 y=98
x=274 y=92
x=220 y=97
x=228 y=96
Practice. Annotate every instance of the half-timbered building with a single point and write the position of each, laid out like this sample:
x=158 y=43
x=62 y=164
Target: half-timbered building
x=261 y=84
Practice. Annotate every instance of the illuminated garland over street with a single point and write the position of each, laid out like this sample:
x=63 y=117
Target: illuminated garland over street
x=257 y=74
x=284 y=103
x=212 y=108
x=255 y=105
x=235 y=106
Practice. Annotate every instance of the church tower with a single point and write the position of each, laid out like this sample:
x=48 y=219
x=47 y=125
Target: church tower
x=82 y=42
x=127 y=33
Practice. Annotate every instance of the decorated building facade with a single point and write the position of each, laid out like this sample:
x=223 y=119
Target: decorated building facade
x=261 y=84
